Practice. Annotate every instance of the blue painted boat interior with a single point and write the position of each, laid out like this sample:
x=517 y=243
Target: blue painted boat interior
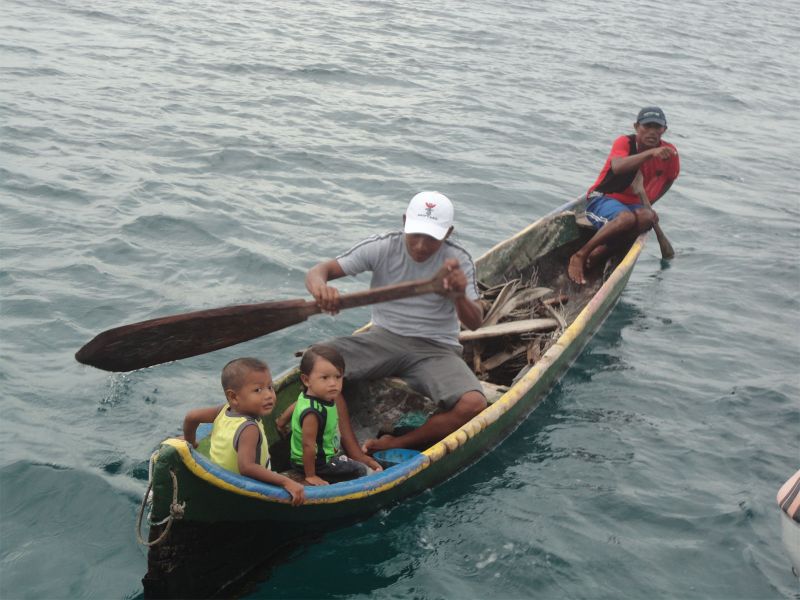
x=408 y=461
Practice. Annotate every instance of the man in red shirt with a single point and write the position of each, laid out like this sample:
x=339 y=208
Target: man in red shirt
x=612 y=206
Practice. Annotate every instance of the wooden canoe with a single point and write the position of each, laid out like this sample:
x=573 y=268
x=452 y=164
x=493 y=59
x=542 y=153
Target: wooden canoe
x=197 y=507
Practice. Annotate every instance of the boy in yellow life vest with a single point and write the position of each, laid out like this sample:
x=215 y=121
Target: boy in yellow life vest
x=320 y=423
x=238 y=442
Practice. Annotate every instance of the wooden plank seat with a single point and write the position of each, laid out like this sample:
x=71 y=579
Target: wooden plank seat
x=582 y=221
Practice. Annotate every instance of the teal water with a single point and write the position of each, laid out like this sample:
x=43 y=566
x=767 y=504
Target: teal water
x=160 y=158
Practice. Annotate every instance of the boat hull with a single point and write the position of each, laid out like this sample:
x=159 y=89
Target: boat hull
x=216 y=498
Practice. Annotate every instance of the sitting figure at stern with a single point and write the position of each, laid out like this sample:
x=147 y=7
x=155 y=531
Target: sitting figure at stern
x=238 y=442
x=414 y=338
x=613 y=207
x=318 y=417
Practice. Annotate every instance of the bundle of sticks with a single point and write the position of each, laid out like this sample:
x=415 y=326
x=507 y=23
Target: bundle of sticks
x=521 y=321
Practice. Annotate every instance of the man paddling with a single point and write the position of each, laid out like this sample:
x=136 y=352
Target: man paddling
x=613 y=208
x=416 y=338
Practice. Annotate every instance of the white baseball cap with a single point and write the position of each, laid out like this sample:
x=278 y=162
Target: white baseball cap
x=430 y=213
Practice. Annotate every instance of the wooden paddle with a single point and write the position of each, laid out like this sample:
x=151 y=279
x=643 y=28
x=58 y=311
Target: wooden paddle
x=666 y=248
x=179 y=336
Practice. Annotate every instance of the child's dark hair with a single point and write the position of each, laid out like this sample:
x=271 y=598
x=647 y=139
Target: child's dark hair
x=320 y=351
x=234 y=372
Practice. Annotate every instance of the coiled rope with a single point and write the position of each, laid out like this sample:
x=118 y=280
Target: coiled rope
x=175 y=512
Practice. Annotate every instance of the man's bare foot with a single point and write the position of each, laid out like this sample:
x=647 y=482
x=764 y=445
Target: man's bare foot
x=385 y=442
x=575 y=268
x=596 y=257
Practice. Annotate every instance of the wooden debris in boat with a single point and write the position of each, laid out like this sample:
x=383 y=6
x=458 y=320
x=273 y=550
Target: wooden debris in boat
x=556 y=315
x=509 y=328
x=493 y=391
x=524 y=298
x=505 y=294
x=498 y=359
x=477 y=357
x=492 y=292
x=519 y=325
x=560 y=299
x=521 y=373
x=533 y=353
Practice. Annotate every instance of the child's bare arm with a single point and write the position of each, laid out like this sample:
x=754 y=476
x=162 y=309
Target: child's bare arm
x=283 y=422
x=248 y=466
x=194 y=417
x=310 y=429
x=349 y=441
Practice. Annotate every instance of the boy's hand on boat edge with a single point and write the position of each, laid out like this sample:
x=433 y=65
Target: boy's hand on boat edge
x=296 y=491
x=192 y=442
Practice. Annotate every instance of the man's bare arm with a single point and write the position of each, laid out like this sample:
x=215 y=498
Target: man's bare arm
x=317 y=280
x=628 y=164
x=469 y=312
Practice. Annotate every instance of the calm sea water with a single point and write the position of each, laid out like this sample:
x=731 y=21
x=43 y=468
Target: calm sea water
x=164 y=157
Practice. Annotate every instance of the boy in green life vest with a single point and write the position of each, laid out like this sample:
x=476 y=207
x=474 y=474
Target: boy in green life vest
x=318 y=416
x=238 y=442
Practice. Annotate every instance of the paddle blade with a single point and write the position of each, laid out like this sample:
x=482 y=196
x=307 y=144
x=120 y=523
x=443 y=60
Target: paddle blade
x=171 y=338
x=667 y=251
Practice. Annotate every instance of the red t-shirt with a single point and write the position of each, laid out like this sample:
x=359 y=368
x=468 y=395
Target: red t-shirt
x=657 y=173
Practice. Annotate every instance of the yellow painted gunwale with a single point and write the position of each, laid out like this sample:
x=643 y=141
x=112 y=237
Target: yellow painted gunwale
x=470 y=429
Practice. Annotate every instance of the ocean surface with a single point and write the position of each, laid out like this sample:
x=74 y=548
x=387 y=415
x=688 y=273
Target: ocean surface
x=158 y=158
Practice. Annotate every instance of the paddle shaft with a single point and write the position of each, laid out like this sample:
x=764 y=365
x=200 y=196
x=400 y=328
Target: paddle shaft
x=667 y=251
x=165 y=339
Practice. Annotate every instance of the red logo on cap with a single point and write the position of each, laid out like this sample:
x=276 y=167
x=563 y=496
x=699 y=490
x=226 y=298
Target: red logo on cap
x=429 y=206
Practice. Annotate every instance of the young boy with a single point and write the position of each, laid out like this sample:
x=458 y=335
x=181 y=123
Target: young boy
x=238 y=442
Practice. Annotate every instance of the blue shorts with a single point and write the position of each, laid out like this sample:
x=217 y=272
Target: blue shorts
x=601 y=209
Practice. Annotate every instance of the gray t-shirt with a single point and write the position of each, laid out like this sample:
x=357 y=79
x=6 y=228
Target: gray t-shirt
x=429 y=316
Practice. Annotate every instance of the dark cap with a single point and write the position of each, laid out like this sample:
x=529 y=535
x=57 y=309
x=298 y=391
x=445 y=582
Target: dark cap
x=651 y=114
